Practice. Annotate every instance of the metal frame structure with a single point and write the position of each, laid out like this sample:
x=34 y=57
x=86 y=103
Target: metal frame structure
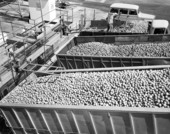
x=26 y=52
x=13 y=32
x=34 y=27
x=28 y=68
x=26 y=37
x=32 y=67
x=42 y=15
x=39 y=72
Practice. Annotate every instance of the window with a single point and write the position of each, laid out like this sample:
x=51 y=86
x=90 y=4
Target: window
x=123 y=11
x=132 y=12
x=159 y=31
x=114 y=10
x=166 y=32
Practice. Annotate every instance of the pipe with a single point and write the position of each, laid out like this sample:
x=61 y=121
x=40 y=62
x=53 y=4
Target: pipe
x=2 y=33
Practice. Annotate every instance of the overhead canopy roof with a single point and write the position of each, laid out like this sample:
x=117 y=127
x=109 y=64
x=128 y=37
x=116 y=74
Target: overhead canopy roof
x=160 y=23
x=126 y=6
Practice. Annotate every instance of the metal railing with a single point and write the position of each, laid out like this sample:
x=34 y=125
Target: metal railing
x=124 y=39
x=32 y=67
x=82 y=62
x=64 y=119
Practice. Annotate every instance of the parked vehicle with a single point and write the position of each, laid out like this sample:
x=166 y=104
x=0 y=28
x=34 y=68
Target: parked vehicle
x=129 y=19
x=159 y=27
x=129 y=11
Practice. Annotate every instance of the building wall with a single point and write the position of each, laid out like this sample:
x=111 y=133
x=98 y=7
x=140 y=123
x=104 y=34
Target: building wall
x=1 y=38
x=48 y=7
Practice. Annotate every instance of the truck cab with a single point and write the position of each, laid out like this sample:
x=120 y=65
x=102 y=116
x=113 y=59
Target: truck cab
x=129 y=11
x=159 y=27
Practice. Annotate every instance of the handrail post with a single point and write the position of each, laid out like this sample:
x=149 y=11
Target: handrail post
x=19 y=8
x=2 y=32
x=67 y=16
x=84 y=16
x=94 y=14
x=12 y=71
x=72 y=14
x=35 y=26
x=12 y=30
x=43 y=27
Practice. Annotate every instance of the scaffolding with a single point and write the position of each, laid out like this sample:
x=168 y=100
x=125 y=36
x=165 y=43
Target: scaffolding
x=30 y=44
x=16 y=29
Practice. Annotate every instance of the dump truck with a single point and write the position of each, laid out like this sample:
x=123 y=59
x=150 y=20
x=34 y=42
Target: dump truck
x=55 y=103
x=52 y=113
x=85 y=52
x=99 y=27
